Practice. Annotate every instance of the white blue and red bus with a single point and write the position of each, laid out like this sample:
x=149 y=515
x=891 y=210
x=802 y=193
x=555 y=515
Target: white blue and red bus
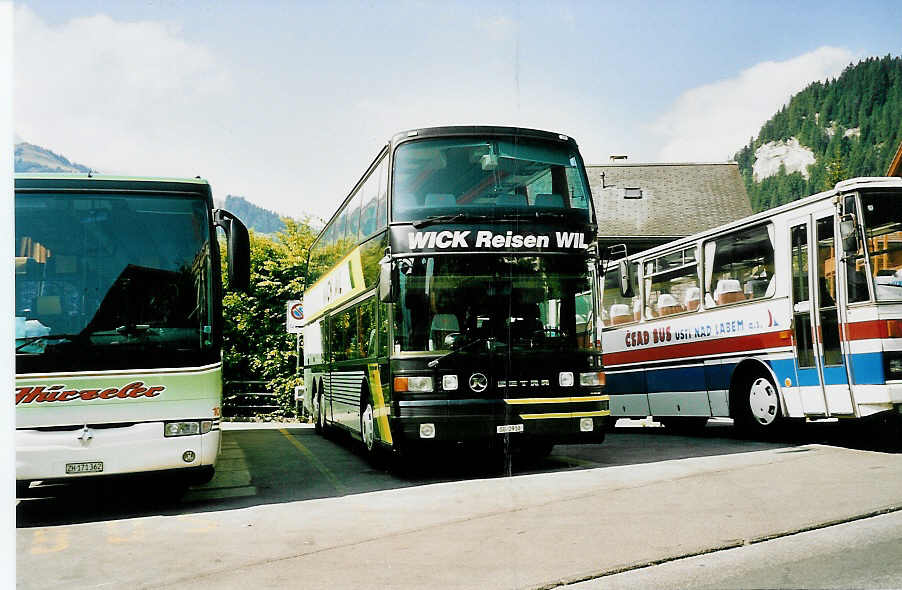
x=791 y=313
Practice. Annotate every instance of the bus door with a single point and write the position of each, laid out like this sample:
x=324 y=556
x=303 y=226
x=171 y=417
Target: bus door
x=819 y=362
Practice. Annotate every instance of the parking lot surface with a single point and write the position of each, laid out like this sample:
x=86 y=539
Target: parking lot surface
x=288 y=508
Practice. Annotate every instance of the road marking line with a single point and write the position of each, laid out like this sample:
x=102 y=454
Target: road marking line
x=314 y=461
x=113 y=536
x=49 y=541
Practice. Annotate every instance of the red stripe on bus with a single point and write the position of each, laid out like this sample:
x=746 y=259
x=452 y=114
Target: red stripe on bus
x=749 y=343
x=873 y=329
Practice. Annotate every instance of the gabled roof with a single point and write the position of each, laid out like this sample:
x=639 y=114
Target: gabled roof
x=895 y=167
x=677 y=199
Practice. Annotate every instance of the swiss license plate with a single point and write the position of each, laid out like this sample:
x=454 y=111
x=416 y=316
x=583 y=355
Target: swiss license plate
x=87 y=467
x=505 y=428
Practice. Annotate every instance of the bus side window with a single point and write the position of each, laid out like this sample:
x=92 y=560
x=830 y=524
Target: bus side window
x=616 y=309
x=740 y=266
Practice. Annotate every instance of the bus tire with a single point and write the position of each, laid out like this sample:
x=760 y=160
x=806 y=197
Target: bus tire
x=203 y=475
x=368 y=429
x=318 y=412
x=755 y=405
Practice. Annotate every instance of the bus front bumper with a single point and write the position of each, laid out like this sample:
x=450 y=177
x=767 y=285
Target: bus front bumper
x=465 y=420
x=67 y=454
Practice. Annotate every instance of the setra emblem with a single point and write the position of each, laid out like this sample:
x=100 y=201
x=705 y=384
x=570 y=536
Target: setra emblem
x=478 y=382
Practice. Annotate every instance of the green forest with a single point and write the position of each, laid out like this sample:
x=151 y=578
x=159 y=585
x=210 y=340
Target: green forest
x=866 y=97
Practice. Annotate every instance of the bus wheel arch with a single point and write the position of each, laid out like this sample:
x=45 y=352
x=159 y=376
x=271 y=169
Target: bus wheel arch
x=755 y=400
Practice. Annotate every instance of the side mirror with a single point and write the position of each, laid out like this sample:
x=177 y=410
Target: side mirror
x=238 y=249
x=626 y=283
x=848 y=231
x=386 y=290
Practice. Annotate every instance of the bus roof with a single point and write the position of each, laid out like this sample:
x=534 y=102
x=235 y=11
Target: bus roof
x=482 y=130
x=31 y=181
x=867 y=182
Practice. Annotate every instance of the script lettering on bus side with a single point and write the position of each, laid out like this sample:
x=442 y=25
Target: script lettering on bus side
x=485 y=239
x=59 y=393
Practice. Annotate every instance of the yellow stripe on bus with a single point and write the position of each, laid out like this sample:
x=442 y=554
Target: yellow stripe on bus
x=380 y=412
x=565 y=415
x=557 y=400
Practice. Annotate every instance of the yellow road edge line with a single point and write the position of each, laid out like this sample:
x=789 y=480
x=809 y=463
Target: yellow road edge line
x=316 y=462
x=556 y=400
x=565 y=415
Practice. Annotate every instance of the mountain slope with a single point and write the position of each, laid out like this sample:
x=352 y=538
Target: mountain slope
x=830 y=131
x=254 y=217
x=34 y=158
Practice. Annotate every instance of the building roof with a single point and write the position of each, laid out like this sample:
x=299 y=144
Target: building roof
x=670 y=200
x=895 y=167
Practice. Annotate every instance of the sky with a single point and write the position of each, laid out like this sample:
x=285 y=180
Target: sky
x=287 y=103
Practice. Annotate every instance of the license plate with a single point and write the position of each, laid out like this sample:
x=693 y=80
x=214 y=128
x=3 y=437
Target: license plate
x=87 y=467
x=509 y=428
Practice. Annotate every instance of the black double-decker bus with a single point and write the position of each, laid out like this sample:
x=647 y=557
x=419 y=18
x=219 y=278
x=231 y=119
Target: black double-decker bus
x=455 y=297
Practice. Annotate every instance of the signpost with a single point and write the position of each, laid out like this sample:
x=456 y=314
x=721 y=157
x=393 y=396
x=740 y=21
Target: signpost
x=294 y=315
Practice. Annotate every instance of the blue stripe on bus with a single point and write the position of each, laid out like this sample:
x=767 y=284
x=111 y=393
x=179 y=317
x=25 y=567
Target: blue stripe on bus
x=866 y=369
x=676 y=379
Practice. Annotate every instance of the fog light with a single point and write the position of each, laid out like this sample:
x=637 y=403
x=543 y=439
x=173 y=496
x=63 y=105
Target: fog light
x=449 y=382
x=565 y=379
x=427 y=430
x=585 y=425
x=188 y=456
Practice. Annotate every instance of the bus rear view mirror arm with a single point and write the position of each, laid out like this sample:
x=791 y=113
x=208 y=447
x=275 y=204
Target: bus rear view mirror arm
x=238 y=248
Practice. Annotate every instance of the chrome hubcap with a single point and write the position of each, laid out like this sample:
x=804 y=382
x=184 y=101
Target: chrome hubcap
x=366 y=428
x=763 y=401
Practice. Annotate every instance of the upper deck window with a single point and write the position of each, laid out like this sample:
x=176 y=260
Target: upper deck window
x=485 y=177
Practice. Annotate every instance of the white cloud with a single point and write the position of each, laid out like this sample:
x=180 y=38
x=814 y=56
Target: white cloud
x=712 y=122
x=126 y=97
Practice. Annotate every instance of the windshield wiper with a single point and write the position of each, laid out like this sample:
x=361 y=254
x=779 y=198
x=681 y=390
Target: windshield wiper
x=434 y=362
x=32 y=339
x=446 y=218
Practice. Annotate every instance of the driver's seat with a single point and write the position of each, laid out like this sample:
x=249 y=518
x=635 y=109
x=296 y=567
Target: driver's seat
x=443 y=324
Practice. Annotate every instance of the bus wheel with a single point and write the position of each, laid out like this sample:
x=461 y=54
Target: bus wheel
x=367 y=429
x=318 y=413
x=758 y=407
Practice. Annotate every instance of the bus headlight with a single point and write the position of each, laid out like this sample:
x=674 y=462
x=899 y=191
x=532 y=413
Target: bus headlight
x=449 y=382
x=415 y=384
x=565 y=379
x=181 y=428
x=591 y=379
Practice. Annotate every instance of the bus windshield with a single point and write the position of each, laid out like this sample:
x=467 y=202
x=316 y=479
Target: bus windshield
x=883 y=228
x=112 y=281
x=435 y=177
x=526 y=303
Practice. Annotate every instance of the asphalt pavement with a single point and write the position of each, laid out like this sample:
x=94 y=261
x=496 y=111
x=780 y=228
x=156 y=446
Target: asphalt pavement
x=585 y=519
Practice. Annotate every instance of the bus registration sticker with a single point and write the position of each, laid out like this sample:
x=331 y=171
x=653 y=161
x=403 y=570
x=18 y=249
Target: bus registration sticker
x=504 y=429
x=87 y=467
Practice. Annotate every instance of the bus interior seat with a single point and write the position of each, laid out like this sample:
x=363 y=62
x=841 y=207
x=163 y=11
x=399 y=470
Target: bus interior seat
x=755 y=288
x=692 y=298
x=550 y=200
x=621 y=314
x=668 y=305
x=440 y=200
x=510 y=200
x=728 y=291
